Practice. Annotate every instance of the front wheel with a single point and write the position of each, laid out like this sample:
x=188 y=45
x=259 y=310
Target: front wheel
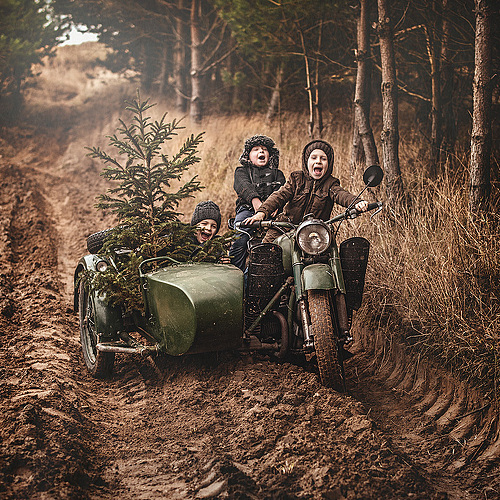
x=99 y=364
x=330 y=364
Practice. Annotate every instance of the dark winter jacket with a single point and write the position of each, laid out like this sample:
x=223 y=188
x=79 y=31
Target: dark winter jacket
x=303 y=195
x=256 y=182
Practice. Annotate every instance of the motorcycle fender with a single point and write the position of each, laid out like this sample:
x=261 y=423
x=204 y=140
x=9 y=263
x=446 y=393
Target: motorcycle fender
x=108 y=319
x=318 y=277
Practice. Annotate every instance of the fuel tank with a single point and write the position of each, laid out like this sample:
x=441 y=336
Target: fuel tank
x=195 y=307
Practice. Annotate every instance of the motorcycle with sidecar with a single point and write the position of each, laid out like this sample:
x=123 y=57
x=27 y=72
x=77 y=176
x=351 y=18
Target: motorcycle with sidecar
x=297 y=298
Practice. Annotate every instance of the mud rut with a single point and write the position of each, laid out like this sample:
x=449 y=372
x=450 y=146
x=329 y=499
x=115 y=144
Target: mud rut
x=230 y=425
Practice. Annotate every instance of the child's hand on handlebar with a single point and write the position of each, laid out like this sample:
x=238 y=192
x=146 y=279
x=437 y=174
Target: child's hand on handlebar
x=255 y=218
x=361 y=206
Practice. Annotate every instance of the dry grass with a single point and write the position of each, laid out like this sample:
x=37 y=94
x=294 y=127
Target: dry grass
x=434 y=280
x=224 y=137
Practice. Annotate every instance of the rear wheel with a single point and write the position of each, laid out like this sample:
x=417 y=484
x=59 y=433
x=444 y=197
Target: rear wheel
x=99 y=364
x=325 y=343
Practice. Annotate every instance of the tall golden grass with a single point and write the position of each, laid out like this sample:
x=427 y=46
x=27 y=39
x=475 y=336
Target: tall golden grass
x=433 y=280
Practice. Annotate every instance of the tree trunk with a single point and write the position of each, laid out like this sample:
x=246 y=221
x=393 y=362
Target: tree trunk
x=179 y=58
x=235 y=84
x=308 y=89
x=196 y=112
x=448 y=115
x=390 y=130
x=433 y=38
x=163 y=77
x=146 y=66
x=480 y=183
x=364 y=148
x=318 y=105
x=274 y=103
x=357 y=151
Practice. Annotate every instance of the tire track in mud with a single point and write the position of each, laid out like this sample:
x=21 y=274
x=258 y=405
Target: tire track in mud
x=41 y=425
x=248 y=428
x=447 y=428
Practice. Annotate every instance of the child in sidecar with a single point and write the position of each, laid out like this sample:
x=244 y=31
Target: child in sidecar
x=207 y=218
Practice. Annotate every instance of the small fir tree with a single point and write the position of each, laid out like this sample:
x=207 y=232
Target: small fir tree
x=144 y=202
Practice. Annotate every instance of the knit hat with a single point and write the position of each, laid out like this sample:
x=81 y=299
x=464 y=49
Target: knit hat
x=324 y=146
x=206 y=210
x=260 y=140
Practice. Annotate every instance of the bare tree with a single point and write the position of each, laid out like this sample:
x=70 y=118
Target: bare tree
x=274 y=103
x=364 y=148
x=312 y=87
x=196 y=62
x=480 y=183
x=390 y=130
x=448 y=119
x=309 y=85
x=434 y=37
x=318 y=107
x=179 y=58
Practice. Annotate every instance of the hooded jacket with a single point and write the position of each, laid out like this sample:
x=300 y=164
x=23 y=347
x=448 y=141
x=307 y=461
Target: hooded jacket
x=251 y=181
x=302 y=195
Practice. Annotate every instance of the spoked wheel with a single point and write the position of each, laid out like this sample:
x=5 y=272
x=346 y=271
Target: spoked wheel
x=330 y=363
x=99 y=364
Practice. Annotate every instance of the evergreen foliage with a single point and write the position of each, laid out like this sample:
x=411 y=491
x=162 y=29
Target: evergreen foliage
x=144 y=202
x=26 y=36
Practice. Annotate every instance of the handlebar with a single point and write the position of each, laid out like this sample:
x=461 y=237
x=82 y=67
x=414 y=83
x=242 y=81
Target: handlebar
x=348 y=214
x=353 y=213
x=264 y=224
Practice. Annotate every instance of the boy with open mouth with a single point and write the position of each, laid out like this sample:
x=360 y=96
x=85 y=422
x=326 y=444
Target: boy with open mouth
x=207 y=219
x=254 y=180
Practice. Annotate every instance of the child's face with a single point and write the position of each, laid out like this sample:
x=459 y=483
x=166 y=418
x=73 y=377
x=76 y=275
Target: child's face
x=317 y=164
x=207 y=229
x=259 y=156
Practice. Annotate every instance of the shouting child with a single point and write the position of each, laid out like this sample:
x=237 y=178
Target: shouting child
x=254 y=180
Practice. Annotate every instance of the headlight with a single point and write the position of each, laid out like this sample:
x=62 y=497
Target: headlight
x=101 y=266
x=313 y=237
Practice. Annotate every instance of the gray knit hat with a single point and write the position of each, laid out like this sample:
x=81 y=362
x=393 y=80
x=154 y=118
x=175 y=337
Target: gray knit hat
x=206 y=210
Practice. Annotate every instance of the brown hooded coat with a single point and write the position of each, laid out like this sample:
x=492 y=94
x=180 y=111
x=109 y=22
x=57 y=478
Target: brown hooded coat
x=302 y=195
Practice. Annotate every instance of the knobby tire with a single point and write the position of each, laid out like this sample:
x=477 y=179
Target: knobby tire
x=99 y=364
x=325 y=342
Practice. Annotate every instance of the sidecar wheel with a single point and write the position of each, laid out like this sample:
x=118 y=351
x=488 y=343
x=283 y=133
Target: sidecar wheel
x=99 y=364
x=327 y=351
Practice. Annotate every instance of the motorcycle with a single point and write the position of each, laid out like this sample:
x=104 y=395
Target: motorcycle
x=298 y=298
x=302 y=289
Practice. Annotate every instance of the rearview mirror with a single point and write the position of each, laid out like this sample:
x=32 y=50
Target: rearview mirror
x=373 y=176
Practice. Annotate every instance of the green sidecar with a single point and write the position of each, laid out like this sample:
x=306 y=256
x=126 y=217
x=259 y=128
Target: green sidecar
x=189 y=308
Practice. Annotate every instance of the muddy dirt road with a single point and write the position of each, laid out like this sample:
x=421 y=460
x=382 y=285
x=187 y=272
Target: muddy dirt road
x=221 y=426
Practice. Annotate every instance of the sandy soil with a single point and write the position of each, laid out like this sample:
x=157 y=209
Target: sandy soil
x=231 y=425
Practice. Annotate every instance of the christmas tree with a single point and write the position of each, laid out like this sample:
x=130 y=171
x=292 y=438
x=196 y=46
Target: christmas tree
x=144 y=202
